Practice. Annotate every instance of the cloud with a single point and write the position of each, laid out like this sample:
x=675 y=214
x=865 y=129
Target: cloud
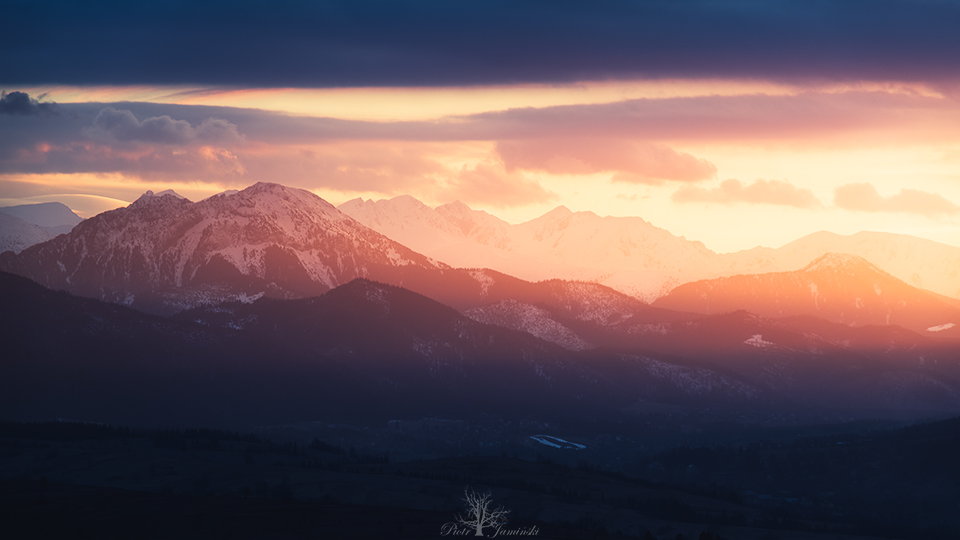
x=831 y=118
x=112 y=125
x=488 y=183
x=642 y=163
x=203 y=144
x=22 y=104
x=115 y=141
x=642 y=125
x=341 y=43
x=193 y=163
x=96 y=139
x=387 y=167
x=732 y=191
x=865 y=198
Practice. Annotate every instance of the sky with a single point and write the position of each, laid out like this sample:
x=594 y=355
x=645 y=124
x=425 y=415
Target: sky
x=735 y=123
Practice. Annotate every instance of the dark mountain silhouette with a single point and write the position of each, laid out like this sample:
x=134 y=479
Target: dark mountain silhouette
x=371 y=352
x=362 y=351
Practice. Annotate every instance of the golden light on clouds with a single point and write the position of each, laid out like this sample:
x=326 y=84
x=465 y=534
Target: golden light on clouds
x=732 y=163
x=425 y=103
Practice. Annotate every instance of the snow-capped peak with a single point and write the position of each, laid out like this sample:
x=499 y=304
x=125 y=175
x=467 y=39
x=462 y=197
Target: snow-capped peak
x=172 y=253
x=225 y=193
x=558 y=212
x=170 y=192
x=164 y=193
x=456 y=207
x=164 y=197
x=48 y=214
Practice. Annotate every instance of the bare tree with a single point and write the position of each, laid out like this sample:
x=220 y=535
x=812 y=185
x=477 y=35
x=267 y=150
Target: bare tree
x=479 y=514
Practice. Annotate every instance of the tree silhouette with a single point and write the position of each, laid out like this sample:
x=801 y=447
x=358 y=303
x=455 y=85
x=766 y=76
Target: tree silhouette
x=479 y=515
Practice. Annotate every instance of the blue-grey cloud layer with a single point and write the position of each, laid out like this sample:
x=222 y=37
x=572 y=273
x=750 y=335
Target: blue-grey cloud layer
x=444 y=42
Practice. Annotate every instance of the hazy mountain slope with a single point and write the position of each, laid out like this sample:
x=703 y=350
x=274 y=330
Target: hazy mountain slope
x=628 y=254
x=415 y=224
x=17 y=234
x=922 y=263
x=458 y=236
x=837 y=287
x=51 y=215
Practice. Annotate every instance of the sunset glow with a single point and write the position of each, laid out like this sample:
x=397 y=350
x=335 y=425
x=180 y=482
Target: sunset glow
x=651 y=269
x=735 y=155
x=661 y=150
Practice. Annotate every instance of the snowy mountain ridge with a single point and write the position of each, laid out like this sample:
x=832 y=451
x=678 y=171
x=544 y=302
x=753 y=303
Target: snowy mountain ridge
x=163 y=248
x=628 y=253
x=25 y=225
x=17 y=234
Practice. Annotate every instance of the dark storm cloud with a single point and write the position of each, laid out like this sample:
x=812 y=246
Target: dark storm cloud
x=442 y=42
x=805 y=117
x=114 y=125
x=22 y=104
x=93 y=138
x=631 y=139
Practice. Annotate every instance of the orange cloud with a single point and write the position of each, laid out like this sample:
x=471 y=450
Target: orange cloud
x=386 y=167
x=642 y=163
x=776 y=192
x=865 y=198
x=147 y=162
x=488 y=183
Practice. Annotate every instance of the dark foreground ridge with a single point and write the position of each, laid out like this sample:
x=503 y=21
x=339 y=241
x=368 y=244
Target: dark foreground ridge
x=366 y=352
x=71 y=480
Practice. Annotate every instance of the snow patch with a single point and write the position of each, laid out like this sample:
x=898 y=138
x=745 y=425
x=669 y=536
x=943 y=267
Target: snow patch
x=249 y=299
x=557 y=442
x=816 y=295
x=696 y=381
x=527 y=318
x=484 y=280
x=756 y=340
x=940 y=328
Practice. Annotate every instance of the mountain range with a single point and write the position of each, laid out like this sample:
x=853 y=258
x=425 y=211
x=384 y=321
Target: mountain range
x=164 y=253
x=628 y=253
x=271 y=292
x=367 y=351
